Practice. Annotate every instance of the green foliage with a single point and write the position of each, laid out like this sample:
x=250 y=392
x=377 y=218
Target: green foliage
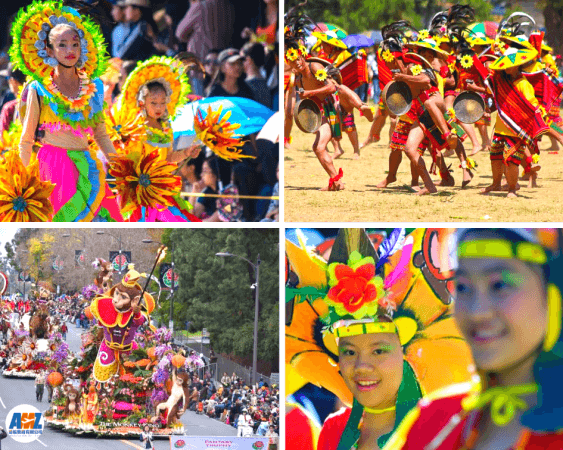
x=357 y=16
x=214 y=292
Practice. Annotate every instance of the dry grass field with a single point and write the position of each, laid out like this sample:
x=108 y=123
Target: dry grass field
x=362 y=201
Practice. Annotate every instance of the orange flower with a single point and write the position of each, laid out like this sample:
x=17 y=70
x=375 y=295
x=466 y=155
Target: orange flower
x=23 y=196
x=143 y=178
x=216 y=133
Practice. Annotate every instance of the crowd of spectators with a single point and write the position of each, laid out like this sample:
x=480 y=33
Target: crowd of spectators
x=236 y=45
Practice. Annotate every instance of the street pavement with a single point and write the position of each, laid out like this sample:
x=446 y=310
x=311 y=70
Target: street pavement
x=16 y=391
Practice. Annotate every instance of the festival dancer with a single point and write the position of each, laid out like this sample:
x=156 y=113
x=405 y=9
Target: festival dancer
x=156 y=89
x=520 y=121
x=63 y=53
x=366 y=331
x=508 y=308
x=312 y=81
x=335 y=52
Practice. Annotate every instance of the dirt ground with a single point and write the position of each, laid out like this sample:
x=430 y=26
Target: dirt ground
x=362 y=201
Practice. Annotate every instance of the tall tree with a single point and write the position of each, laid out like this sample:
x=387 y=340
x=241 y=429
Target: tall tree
x=215 y=293
x=356 y=16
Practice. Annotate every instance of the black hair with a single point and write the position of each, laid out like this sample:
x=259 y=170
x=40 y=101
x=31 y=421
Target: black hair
x=213 y=163
x=197 y=163
x=18 y=75
x=255 y=52
x=155 y=86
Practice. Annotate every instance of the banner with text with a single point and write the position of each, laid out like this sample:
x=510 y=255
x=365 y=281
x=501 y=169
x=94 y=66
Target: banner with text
x=223 y=443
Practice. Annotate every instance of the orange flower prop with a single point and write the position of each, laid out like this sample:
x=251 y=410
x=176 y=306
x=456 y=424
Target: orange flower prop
x=23 y=196
x=143 y=178
x=216 y=133
x=124 y=125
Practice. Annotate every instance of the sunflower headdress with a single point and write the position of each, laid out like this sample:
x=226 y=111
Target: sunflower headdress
x=361 y=291
x=31 y=29
x=167 y=71
x=297 y=28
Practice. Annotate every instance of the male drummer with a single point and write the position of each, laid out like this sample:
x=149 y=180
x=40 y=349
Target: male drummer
x=336 y=56
x=323 y=92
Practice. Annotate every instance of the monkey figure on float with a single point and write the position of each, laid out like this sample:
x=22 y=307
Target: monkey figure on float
x=179 y=391
x=120 y=312
x=103 y=277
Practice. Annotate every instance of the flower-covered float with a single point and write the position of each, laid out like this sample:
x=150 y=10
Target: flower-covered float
x=127 y=373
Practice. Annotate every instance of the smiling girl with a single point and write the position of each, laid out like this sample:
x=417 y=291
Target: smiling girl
x=508 y=308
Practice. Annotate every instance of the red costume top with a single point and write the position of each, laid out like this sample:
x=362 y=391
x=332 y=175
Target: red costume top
x=333 y=428
x=430 y=417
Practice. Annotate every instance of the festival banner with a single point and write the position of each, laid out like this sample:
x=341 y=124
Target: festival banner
x=223 y=443
x=120 y=260
x=58 y=263
x=79 y=258
x=166 y=276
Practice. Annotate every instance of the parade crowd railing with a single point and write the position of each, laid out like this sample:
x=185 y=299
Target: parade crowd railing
x=222 y=364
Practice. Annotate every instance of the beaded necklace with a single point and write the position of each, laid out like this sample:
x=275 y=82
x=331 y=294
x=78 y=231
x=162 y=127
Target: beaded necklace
x=68 y=104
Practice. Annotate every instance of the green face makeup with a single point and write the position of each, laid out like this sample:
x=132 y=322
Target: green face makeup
x=512 y=279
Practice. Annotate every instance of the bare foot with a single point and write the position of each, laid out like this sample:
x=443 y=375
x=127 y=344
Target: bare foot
x=525 y=176
x=448 y=153
x=415 y=187
x=491 y=188
x=475 y=150
x=535 y=167
x=504 y=187
x=356 y=156
x=425 y=191
x=370 y=140
x=467 y=177
x=511 y=194
x=387 y=181
x=338 y=152
x=336 y=186
x=287 y=146
x=367 y=112
x=447 y=181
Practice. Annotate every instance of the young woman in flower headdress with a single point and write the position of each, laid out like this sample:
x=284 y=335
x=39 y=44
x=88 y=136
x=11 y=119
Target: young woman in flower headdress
x=508 y=308
x=366 y=332
x=156 y=89
x=63 y=52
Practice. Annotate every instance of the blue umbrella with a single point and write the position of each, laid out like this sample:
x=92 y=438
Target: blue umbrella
x=249 y=114
x=358 y=41
x=376 y=36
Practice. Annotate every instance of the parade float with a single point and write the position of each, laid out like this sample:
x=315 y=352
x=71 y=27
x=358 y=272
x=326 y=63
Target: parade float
x=127 y=374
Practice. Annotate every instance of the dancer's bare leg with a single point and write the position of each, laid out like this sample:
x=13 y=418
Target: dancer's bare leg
x=338 y=150
x=376 y=127
x=497 y=169
x=322 y=137
x=353 y=135
x=467 y=174
x=395 y=158
x=511 y=173
x=485 y=139
x=350 y=100
x=288 y=122
x=416 y=135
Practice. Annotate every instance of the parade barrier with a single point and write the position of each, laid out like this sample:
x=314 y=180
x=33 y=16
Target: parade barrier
x=223 y=443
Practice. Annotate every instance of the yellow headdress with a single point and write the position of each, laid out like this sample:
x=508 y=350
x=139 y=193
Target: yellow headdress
x=167 y=71
x=31 y=29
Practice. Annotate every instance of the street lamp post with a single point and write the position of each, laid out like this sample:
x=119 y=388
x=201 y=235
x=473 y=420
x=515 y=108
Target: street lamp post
x=256 y=286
